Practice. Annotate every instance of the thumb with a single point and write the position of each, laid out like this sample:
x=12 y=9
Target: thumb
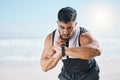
x=56 y=48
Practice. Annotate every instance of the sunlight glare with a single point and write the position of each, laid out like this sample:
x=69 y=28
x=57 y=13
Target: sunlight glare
x=101 y=18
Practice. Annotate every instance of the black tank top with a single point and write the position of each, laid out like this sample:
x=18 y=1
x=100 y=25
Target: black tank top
x=76 y=65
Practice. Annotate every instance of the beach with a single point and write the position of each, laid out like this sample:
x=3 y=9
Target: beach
x=20 y=60
x=19 y=71
x=25 y=25
x=109 y=70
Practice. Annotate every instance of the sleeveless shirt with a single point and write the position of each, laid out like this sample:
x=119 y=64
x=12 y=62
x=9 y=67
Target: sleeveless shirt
x=76 y=65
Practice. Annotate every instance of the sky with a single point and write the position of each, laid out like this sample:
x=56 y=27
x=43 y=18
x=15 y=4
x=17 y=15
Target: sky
x=37 y=18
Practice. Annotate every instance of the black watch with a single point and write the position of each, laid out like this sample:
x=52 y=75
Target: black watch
x=63 y=50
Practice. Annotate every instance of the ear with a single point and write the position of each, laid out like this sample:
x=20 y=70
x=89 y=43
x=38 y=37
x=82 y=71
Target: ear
x=57 y=22
x=75 y=23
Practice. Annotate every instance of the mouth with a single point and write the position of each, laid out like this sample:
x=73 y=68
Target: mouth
x=65 y=37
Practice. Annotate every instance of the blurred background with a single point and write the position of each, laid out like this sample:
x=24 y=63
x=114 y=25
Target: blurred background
x=24 y=25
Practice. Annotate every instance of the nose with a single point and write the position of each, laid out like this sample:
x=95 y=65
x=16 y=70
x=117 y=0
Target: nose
x=66 y=31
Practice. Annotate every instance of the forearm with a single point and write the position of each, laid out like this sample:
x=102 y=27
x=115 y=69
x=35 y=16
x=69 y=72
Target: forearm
x=47 y=64
x=53 y=64
x=84 y=52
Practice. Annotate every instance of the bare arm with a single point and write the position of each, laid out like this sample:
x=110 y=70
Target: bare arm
x=89 y=48
x=49 y=58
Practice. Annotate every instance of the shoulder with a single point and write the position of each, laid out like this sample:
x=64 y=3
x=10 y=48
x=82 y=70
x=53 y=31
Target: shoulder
x=48 y=39
x=83 y=30
x=86 y=37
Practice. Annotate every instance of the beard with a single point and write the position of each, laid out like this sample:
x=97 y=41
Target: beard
x=65 y=38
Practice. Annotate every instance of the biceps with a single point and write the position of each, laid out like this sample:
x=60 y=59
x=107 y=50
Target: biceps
x=86 y=39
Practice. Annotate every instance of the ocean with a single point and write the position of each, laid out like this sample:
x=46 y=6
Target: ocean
x=17 y=50
x=12 y=50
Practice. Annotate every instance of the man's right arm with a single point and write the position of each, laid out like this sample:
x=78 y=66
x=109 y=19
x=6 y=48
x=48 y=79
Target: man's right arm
x=48 y=61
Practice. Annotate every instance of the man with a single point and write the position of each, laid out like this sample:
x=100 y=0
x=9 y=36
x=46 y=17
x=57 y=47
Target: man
x=74 y=45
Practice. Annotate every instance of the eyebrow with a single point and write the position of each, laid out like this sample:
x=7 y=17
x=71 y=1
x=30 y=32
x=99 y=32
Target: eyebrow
x=64 y=27
x=61 y=26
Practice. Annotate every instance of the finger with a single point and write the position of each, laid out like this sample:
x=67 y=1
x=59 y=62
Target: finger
x=58 y=42
x=55 y=48
x=49 y=57
x=60 y=39
x=52 y=52
x=54 y=56
x=62 y=44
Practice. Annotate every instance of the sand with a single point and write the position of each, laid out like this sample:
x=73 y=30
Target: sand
x=32 y=71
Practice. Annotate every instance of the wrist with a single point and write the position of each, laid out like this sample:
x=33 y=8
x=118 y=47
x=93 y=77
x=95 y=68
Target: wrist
x=63 y=51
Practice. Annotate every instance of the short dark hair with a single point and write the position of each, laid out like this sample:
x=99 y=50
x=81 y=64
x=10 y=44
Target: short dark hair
x=67 y=14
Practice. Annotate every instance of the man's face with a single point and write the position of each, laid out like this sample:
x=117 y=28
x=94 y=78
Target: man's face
x=66 y=29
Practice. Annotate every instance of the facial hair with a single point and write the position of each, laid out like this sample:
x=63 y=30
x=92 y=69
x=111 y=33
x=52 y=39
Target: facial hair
x=62 y=37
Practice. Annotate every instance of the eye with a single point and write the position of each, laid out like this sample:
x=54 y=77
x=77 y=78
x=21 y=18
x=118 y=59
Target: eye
x=70 y=27
x=61 y=27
